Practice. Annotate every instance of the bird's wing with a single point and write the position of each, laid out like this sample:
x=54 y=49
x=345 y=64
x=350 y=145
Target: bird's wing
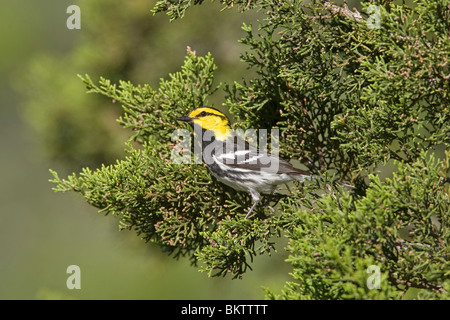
x=247 y=157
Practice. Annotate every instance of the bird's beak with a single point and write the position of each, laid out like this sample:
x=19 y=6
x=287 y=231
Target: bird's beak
x=185 y=119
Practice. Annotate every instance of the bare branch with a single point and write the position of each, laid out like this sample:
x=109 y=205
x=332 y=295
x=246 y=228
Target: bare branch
x=344 y=11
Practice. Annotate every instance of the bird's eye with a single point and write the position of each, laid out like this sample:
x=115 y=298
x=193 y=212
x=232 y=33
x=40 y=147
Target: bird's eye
x=202 y=114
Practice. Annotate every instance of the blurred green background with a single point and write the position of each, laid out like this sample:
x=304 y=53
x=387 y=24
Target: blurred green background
x=41 y=232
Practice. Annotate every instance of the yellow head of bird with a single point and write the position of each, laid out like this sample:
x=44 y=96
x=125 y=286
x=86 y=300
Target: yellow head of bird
x=209 y=119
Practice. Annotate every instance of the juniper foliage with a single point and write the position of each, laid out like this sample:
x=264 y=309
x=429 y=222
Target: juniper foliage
x=348 y=99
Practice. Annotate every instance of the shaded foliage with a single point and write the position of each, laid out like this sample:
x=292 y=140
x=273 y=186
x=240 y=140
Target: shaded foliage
x=347 y=97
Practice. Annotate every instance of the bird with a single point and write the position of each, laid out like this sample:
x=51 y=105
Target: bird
x=234 y=161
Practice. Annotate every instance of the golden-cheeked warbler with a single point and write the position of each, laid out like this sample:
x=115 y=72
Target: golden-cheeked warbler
x=235 y=162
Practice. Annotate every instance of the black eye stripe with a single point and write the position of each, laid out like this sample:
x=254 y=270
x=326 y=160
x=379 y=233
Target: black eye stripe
x=205 y=113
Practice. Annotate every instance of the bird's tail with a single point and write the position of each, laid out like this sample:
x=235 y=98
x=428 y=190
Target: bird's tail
x=303 y=177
